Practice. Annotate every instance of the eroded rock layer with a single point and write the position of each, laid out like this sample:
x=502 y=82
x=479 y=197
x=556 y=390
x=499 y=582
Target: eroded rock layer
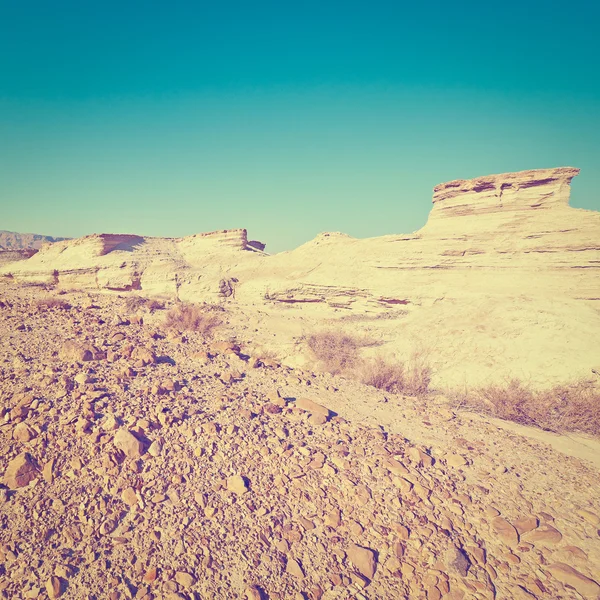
x=504 y=264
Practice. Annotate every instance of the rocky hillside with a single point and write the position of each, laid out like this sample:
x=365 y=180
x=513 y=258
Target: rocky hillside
x=501 y=282
x=139 y=461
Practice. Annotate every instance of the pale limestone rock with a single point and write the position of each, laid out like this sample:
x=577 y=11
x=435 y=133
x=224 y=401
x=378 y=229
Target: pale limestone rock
x=487 y=241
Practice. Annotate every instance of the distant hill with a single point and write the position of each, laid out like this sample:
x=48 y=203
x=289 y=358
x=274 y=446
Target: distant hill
x=11 y=240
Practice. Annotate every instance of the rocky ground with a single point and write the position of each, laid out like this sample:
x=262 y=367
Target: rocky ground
x=140 y=462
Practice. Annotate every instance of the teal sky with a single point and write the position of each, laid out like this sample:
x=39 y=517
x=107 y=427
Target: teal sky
x=287 y=119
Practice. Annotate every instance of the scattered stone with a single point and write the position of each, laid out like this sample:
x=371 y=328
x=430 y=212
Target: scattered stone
x=294 y=568
x=457 y=560
x=588 y=588
x=455 y=460
x=54 y=587
x=545 y=534
x=590 y=517
x=185 y=579
x=48 y=471
x=71 y=351
x=419 y=457
x=505 y=531
x=155 y=448
x=364 y=559
x=128 y=443
x=113 y=505
x=311 y=406
x=525 y=524
x=23 y=433
x=333 y=519
x=253 y=593
x=20 y=471
x=129 y=496
x=237 y=484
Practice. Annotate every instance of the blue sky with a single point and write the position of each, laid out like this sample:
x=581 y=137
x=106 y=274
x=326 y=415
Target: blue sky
x=284 y=118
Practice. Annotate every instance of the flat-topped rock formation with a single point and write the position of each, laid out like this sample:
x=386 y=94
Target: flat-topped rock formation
x=504 y=271
x=122 y=262
x=538 y=188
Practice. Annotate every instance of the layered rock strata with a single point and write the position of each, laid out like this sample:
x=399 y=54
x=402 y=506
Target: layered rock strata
x=503 y=264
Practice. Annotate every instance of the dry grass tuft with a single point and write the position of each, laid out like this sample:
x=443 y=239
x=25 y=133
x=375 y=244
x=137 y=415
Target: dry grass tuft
x=336 y=351
x=574 y=407
x=134 y=303
x=189 y=317
x=412 y=378
x=154 y=305
x=339 y=353
x=50 y=302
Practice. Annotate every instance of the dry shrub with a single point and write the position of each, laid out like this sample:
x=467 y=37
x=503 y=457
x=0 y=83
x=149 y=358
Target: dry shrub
x=339 y=353
x=336 y=351
x=265 y=354
x=379 y=373
x=189 y=317
x=50 y=302
x=154 y=305
x=412 y=378
x=573 y=407
x=134 y=303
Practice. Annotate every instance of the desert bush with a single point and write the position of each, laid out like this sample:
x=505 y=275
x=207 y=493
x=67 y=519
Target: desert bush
x=569 y=407
x=154 y=305
x=336 y=351
x=134 y=303
x=379 y=373
x=412 y=378
x=51 y=302
x=190 y=317
x=339 y=354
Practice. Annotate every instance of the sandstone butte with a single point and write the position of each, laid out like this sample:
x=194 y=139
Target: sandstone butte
x=501 y=282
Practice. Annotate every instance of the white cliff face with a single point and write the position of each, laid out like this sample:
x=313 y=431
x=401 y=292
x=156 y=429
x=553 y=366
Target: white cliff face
x=501 y=281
